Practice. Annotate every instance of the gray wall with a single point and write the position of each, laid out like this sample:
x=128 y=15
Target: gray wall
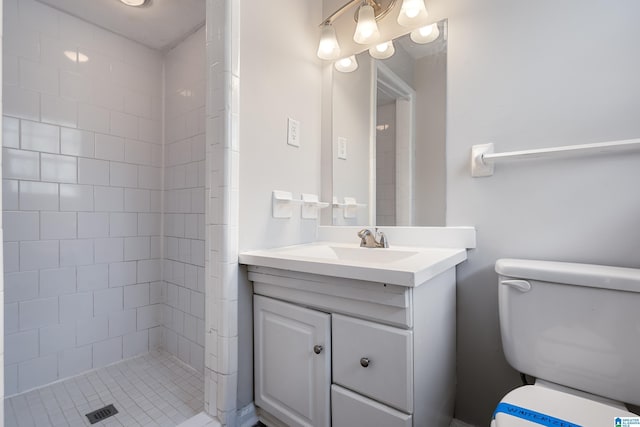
x=430 y=160
x=280 y=77
x=527 y=75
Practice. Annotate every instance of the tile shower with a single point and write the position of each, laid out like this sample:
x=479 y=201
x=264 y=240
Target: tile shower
x=104 y=248
x=154 y=390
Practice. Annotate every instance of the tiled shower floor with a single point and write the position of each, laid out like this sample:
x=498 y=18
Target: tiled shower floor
x=151 y=390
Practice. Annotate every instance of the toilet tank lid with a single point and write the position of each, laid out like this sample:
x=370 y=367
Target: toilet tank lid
x=595 y=276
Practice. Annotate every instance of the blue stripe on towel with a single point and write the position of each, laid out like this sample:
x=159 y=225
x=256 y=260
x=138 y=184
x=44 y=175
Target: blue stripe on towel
x=532 y=416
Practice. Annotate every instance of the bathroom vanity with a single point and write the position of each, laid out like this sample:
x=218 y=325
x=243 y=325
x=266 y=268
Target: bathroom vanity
x=349 y=336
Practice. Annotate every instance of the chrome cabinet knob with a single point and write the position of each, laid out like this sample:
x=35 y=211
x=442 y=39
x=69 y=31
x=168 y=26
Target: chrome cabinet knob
x=364 y=362
x=317 y=349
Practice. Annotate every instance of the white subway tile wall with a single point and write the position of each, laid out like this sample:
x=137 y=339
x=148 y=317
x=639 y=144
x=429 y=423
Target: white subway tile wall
x=82 y=168
x=222 y=177
x=386 y=166
x=184 y=179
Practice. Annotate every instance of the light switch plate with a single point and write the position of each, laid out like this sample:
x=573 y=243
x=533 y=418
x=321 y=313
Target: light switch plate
x=293 y=132
x=342 y=148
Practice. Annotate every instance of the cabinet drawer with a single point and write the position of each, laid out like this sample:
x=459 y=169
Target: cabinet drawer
x=374 y=360
x=349 y=409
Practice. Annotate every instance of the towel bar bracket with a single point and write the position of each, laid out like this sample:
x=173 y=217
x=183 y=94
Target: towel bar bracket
x=478 y=165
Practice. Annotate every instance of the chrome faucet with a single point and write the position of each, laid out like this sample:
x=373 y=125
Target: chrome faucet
x=370 y=240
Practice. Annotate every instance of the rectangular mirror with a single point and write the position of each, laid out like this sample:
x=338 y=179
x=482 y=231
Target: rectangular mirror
x=388 y=134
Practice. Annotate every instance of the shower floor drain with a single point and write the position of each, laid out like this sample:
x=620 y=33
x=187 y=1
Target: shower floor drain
x=101 y=414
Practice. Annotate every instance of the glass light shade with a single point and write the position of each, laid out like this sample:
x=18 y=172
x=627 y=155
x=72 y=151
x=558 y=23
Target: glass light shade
x=412 y=12
x=425 y=34
x=367 y=28
x=328 y=47
x=382 y=50
x=347 y=65
x=135 y=3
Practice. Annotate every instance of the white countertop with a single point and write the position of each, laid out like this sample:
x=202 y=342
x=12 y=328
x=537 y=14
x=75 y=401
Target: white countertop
x=397 y=265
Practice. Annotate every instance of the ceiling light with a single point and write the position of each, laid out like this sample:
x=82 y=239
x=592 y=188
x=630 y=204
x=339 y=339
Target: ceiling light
x=412 y=13
x=425 y=34
x=347 y=65
x=383 y=50
x=136 y=3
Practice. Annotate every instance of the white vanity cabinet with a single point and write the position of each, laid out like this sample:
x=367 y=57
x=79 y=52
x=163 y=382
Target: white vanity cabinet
x=340 y=352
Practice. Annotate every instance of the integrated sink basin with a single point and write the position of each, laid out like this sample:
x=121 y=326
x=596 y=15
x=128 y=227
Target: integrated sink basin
x=348 y=253
x=398 y=265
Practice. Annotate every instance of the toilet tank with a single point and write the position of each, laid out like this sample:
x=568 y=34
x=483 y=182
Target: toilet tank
x=577 y=325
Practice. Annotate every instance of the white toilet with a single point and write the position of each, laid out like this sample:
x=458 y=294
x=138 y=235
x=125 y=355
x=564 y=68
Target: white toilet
x=576 y=329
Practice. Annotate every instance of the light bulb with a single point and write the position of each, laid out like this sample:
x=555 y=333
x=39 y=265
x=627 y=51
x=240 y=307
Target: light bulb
x=382 y=50
x=367 y=28
x=347 y=65
x=425 y=34
x=412 y=12
x=328 y=47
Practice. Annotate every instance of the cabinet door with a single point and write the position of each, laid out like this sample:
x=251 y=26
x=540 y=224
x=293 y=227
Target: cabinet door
x=292 y=362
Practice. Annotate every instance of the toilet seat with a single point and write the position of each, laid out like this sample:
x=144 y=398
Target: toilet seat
x=534 y=402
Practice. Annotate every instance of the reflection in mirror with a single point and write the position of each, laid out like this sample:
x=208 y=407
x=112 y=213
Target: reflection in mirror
x=353 y=139
x=388 y=136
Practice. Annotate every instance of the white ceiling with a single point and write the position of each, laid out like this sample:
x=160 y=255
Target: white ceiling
x=158 y=26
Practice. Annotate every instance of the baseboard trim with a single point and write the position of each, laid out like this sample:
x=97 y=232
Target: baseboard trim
x=247 y=416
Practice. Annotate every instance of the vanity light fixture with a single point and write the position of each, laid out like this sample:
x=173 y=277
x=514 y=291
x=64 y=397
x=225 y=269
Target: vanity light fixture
x=366 y=17
x=425 y=34
x=412 y=12
x=366 y=31
x=347 y=65
x=136 y=3
x=383 y=50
